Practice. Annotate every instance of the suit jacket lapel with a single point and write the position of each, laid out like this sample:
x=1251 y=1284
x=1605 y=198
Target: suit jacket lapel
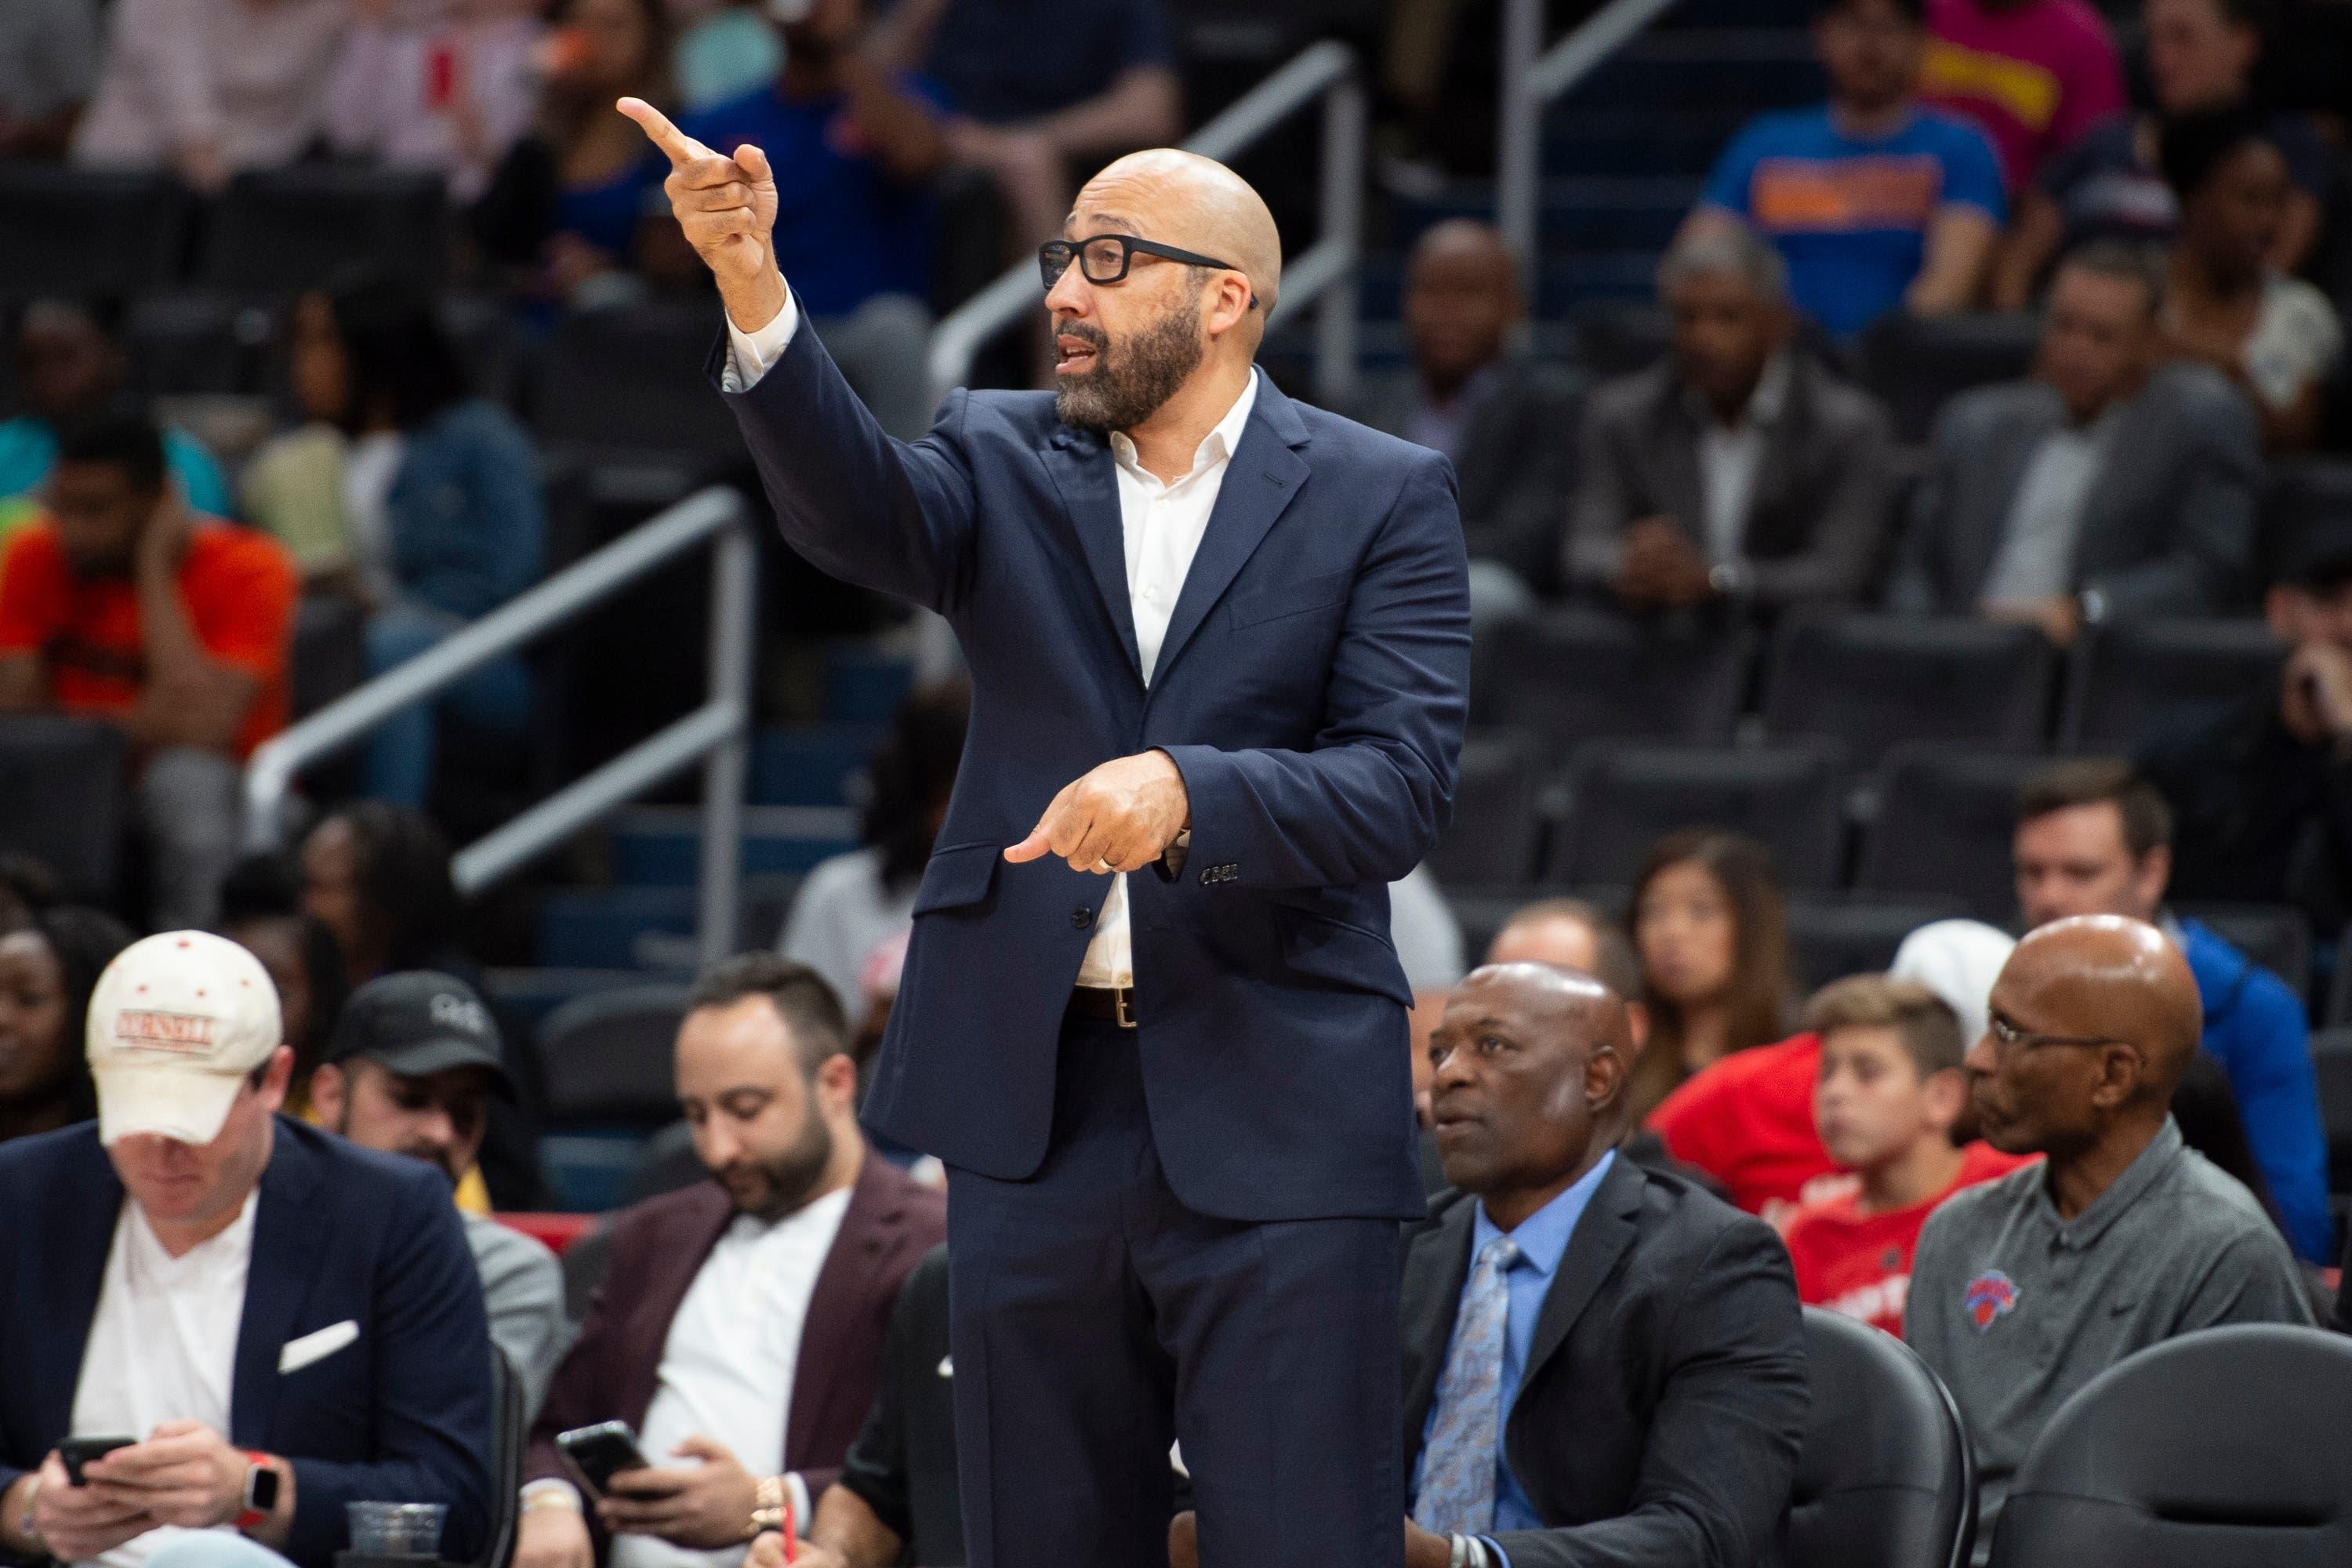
x=1260 y=480
x=287 y=1240
x=1600 y=1239
x=669 y=1274
x=79 y=1241
x=1083 y=472
x=1435 y=1266
x=843 y=1285
x=1681 y=493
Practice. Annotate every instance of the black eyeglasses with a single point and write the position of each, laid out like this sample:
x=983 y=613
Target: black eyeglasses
x=2009 y=1036
x=1104 y=258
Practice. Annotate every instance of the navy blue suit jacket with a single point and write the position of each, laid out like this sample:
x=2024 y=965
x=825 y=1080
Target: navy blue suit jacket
x=401 y=1414
x=1311 y=690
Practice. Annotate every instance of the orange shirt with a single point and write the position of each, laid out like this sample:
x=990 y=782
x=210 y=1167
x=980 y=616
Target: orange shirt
x=1860 y=1264
x=239 y=588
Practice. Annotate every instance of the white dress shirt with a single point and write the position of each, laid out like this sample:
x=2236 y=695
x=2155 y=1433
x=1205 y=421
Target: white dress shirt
x=1728 y=458
x=1163 y=525
x=2036 y=559
x=162 y=1345
x=727 y=1367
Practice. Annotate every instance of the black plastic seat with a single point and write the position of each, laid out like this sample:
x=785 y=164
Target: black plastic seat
x=2275 y=936
x=1917 y=363
x=89 y=233
x=64 y=799
x=511 y=1418
x=630 y=381
x=1492 y=837
x=2133 y=681
x=1573 y=676
x=1884 y=1479
x=2219 y=1449
x=1945 y=821
x=2331 y=1057
x=1871 y=682
x=608 y=1058
x=1623 y=798
x=1834 y=936
x=1621 y=338
x=278 y=232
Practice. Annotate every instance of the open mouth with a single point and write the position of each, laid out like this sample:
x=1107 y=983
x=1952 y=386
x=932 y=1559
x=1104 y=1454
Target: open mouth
x=1072 y=356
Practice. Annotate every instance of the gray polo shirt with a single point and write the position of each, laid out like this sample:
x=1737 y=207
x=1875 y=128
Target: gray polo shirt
x=2016 y=1309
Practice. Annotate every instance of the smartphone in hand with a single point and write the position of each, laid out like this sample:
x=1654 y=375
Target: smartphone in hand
x=76 y=1452
x=596 y=1454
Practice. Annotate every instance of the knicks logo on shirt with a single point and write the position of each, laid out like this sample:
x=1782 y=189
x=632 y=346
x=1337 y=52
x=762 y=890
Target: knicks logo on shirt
x=1989 y=1295
x=1895 y=191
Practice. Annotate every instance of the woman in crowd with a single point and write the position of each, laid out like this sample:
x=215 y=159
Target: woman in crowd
x=2228 y=305
x=403 y=491
x=261 y=912
x=47 y=969
x=1709 y=924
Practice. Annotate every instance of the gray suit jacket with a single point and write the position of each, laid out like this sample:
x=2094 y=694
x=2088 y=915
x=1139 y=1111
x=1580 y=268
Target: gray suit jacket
x=1818 y=517
x=2167 y=530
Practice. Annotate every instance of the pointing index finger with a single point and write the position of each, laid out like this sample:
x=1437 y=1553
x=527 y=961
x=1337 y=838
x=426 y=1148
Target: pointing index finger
x=680 y=148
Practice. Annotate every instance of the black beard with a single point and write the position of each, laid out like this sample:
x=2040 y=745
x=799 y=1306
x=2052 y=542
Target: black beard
x=1129 y=385
x=768 y=1189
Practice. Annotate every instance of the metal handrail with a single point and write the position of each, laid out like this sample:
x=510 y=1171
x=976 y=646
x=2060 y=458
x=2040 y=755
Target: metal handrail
x=1534 y=77
x=1326 y=272
x=716 y=733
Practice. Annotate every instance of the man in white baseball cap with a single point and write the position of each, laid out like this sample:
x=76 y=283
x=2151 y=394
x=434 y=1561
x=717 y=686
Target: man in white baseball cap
x=221 y=1320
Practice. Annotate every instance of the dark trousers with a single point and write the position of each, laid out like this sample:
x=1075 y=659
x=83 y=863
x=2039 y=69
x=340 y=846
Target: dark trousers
x=1094 y=1318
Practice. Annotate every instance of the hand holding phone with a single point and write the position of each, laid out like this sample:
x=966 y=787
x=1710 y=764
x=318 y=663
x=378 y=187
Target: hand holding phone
x=76 y=1452
x=596 y=1454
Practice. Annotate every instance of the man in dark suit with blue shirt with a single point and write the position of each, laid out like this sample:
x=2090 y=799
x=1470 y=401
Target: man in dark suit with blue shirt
x=1150 y=1017
x=280 y=1322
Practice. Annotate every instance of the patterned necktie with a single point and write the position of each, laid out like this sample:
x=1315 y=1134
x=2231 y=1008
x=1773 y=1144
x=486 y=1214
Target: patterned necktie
x=1457 y=1472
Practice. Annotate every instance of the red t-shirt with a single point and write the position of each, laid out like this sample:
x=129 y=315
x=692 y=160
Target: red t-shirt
x=1747 y=1121
x=239 y=588
x=1860 y=1264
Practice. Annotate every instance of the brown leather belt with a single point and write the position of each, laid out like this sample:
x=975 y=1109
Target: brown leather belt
x=1104 y=1004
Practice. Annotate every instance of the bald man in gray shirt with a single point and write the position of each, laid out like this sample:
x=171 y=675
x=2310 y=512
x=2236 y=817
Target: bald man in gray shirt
x=2025 y=1288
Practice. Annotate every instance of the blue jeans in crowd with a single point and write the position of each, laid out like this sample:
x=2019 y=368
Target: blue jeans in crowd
x=496 y=699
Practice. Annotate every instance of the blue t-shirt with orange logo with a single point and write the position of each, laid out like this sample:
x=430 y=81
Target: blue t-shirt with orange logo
x=1851 y=214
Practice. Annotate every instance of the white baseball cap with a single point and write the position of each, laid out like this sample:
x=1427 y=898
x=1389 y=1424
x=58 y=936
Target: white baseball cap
x=176 y=1023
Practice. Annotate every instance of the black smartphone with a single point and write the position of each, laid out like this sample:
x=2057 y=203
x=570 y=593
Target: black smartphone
x=76 y=1452
x=596 y=1454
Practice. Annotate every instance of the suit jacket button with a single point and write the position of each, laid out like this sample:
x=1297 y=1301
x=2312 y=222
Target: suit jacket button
x=1082 y=917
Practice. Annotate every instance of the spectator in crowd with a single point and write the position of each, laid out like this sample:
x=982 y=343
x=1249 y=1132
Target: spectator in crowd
x=1736 y=471
x=1025 y=116
x=725 y=48
x=803 y=1222
x=48 y=966
x=409 y=1070
x=1711 y=928
x=1570 y=933
x=209 y=88
x=1877 y=203
x=166 y=1271
x=121 y=606
x=853 y=146
x=48 y=63
x=69 y=370
x=1889 y=1094
x=2110 y=185
x=1747 y=1121
x=261 y=912
x=2035 y=74
x=2107 y=485
x=848 y=906
x=1498 y=414
x=2275 y=336
x=447 y=87
x=2262 y=795
x=567 y=205
x=418 y=498
x=2093 y=838
x=2026 y=1287
x=1660 y=1423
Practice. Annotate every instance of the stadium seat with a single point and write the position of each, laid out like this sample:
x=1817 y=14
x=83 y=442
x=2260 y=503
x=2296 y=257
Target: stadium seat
x=2221 y=1447
x=1834 y=936
x=2301 y=493
x=2277 y=936
x=1620 y=339
x=509 y=1436
x=2130 y=682
x=63 y=801
x=1872 y=681
x=278 y=232
x=482 y=328
x=607 y=1057
x=89 y=233
x=1573 y=676
x=1914 y=365
x=183 y=343
x=1945 y=820
x=2331 y=1055
x=1623 y=798
x=1492 y=837
x=329 y=654
x=631 y=381
x=665 y=1165
x=1884 y=1479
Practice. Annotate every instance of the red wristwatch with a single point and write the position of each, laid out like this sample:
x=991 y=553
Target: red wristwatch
x=260 y=1491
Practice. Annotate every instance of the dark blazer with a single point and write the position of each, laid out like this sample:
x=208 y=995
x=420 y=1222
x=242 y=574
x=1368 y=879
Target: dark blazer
x=340 y=1234
x=2168 y=529
x=613 y=1368
x=1311 y=690
x=1516 y=465
x=904 y=1462
x=1663 y=1400
x=1818 y=514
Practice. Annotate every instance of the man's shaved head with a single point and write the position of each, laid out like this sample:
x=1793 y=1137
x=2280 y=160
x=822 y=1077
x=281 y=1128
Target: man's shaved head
x=1196 y=204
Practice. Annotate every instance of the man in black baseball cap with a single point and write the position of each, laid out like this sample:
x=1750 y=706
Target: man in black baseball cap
x=409 y=1069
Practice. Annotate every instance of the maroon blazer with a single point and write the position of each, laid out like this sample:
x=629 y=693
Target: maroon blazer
x=658 y=1247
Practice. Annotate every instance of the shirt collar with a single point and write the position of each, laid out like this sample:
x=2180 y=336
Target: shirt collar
x=1543 y=1236
x=2146 y=1169
x=1215 y=448
x=1764 y=405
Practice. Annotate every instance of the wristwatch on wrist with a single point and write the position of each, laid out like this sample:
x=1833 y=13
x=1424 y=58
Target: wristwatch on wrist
x=260 y=1491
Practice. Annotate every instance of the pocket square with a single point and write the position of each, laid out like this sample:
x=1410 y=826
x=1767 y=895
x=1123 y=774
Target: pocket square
x=317 y=1347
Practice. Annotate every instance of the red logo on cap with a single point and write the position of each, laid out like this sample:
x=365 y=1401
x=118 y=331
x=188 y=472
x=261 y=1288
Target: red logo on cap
x=186 y=1033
